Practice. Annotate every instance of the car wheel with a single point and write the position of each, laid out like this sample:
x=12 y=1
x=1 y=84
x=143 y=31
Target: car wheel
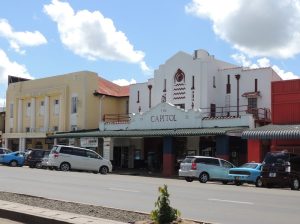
x=65 y=167
x=224 y=182
x=38 y=165
x=295 y=184
x=13 y=163
x=103 y=170
x=237 y=183
x=203 y=178
x=258 y=182
x=189 y=179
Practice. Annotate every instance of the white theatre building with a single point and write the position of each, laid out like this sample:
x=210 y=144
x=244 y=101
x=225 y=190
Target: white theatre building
x=194 y=105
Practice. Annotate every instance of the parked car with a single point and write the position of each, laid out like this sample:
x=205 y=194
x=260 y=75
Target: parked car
x=281 y=168
x=205 y=169
x=66 y=158
x=12 y=159
x=35 y=156
x=4 y=150
x=44 y=162
x=247 y=173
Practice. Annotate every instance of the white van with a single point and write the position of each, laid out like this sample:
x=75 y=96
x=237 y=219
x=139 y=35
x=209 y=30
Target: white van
x=68 y=158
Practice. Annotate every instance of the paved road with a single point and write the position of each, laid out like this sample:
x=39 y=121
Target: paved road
x=211 y=202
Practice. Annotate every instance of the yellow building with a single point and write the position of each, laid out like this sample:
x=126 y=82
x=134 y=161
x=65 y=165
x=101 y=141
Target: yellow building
x=64 y=103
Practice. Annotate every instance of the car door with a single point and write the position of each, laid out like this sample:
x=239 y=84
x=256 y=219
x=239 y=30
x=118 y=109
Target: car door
x=79 y=159
x=213 y=168
x=224 y=169
x=94 y=160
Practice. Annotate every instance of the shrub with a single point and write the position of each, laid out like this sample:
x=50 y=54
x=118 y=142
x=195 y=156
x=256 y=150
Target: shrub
x=164 y=213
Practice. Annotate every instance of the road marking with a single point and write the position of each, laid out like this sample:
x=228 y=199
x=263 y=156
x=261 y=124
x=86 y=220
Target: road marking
x=121 y=189
x=229 y=201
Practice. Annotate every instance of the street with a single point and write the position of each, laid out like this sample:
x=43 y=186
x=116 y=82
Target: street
x=211 y=202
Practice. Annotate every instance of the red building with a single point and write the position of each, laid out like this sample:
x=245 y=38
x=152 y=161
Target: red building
x=284 y=132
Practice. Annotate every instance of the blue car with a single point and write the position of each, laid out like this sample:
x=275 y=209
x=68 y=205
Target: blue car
x=247 y=173
x=13 y=159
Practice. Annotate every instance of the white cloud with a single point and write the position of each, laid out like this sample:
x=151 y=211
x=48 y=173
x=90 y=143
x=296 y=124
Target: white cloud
x=124 y=82
x=91 y=35
x=8 y=67
x=20 y=39
x=257 y=27
x=262 y=63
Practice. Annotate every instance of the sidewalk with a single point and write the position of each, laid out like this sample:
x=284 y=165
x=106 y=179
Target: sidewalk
x=35 y=215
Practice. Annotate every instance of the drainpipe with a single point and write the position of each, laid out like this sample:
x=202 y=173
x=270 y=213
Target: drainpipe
x=238 y=76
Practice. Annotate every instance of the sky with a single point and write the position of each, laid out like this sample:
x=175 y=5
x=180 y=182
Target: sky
x=124 y=41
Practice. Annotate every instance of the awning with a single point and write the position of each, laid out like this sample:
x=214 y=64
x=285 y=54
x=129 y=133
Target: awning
x=273 y=132
x=251 y=94
x=151 y=133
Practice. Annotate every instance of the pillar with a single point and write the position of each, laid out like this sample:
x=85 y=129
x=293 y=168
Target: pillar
x=168 y=157
x=254 y=150
x=22 y=144
x=61 y=120
x=46 y=114
x=20 y=116
x=222 y=147
x=32 y=115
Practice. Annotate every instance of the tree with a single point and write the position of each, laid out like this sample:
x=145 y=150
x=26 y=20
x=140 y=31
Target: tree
x=164 y=213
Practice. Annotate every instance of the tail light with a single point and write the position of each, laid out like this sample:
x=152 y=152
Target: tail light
x=56 y=154
x=194 y=166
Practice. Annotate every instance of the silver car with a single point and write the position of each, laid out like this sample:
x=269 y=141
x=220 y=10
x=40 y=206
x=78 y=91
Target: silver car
x=205 y=168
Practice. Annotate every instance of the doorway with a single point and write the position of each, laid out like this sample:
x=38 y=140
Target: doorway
x=121 y=157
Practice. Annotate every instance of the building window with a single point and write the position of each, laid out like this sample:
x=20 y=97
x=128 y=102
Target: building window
x=11 y=110
x=55 y=128
x=42 y=108
x=138 y=96
x=252 y=103
x=228 y=86
x=255 y=85
x=214 y=81
x=74 y=104
x=56 y=107
x=165 y=85
x=27 y=129
x=28 y=109
x=193 y=82
x=11 y=130
x=212 y=110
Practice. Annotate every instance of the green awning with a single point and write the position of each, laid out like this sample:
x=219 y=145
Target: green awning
x=272 y=131
x=151 y=133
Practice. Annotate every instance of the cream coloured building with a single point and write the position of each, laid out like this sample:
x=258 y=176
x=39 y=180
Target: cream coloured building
x=65 y=103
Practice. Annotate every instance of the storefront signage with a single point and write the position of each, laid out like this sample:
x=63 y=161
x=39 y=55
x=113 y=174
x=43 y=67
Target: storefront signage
x=163 y=118
x=89 y=142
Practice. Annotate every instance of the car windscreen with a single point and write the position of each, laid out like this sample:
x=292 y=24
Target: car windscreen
x=54 y=149
x=278 y=158
x=249 y=165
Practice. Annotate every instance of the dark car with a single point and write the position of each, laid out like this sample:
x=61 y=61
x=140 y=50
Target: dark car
x=35 y=157
x=281 y=169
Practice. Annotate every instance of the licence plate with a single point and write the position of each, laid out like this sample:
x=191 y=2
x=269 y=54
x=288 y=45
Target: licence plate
x=272 y=174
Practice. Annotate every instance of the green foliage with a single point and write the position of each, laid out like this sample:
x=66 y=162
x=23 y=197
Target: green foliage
x=164 y=213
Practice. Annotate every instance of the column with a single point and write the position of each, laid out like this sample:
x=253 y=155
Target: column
x=6 y=143
x=22 y=144
x=32 y=115
x=61 y=126
x=168 y=157
x=222 y=147
x=107 y=148
x=20 y=116
x=46 y=114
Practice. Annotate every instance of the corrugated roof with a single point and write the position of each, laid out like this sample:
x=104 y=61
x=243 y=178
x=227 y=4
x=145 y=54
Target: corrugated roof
x=273 y=132
x=106 y=87
x=151 y=133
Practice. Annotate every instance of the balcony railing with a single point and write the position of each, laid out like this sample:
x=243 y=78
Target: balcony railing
x=259 y=114
x=116 y=118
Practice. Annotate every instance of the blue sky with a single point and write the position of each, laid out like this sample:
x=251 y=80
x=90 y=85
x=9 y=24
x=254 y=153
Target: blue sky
x=125 y=40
